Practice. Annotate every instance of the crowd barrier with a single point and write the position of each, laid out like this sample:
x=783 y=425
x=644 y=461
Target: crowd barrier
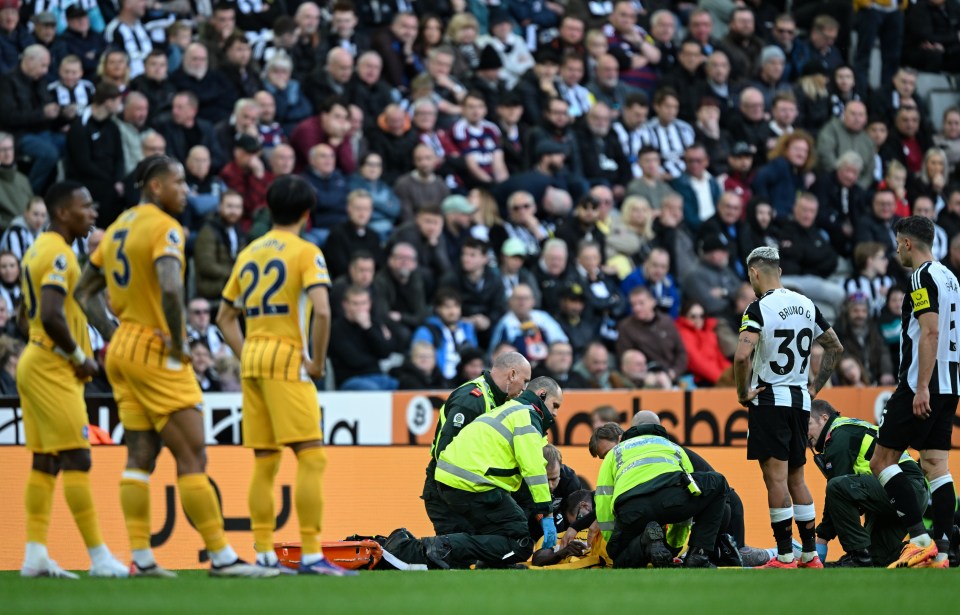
x=374 y=487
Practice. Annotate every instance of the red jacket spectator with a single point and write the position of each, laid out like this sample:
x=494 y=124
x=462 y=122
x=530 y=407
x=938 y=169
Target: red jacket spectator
x=330 y=126
x=705 y=360
x=247 y=175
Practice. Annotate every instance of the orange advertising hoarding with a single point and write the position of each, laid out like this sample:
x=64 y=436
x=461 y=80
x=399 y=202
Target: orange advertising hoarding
x=367 y=490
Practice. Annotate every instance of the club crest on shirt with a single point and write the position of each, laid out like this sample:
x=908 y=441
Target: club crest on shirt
x=319 y=262
x=60 y=263
x=173 y=237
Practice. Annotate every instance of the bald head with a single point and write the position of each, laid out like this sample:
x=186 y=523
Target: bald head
x=511 y=373
x=645 y=417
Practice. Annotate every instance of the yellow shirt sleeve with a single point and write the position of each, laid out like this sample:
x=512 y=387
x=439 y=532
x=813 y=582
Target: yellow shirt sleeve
x=56 y=273
x=314 y=269
x=170 y=243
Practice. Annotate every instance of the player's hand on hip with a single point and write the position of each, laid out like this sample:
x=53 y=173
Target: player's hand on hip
x=87 y=369
x=749 y=397
x=314 y=369
x=921 y=403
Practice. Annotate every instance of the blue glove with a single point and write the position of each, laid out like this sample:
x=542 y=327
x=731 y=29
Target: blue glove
x=549 y=532
x=822 y=551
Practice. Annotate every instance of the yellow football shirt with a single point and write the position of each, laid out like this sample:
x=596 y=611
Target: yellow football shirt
x=131 y=246
x=51 y=263
x=269 y=284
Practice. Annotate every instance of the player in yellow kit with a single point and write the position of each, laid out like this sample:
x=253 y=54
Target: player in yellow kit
x=140 y=263
x=50 y=377
x=279 y=283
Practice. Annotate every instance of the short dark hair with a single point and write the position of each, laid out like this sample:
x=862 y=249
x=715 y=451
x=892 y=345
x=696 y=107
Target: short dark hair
x=60 y=194
x=636 y=98
x=917 y=228
x=445 y=294
x=361 y=255
x=611 y=432
x=289 y=197
x=822 y=407
x=474 y=244
x=333 y=101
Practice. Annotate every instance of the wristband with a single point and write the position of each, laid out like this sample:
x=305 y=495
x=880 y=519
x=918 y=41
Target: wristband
x=77 y=357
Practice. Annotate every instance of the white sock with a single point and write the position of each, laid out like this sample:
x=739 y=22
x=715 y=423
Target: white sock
x=143 y=558
x=786 y=558
x=268 y=558
x=224 y=556
x=923 y=540
x=99 y=554
x=310 y=559
x=35 y=553
x=807 y=556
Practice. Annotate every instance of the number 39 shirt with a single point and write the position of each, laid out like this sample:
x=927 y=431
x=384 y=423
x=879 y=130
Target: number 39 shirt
x=787 y=323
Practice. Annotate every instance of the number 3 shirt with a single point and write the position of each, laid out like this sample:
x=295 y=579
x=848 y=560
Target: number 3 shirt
x=787 y=323
x=269 y=284
x=127 y=258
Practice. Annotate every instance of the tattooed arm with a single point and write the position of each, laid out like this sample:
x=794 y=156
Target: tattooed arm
x=832 y=351
x=742 y=368
x=89 y=294
x=171 y=300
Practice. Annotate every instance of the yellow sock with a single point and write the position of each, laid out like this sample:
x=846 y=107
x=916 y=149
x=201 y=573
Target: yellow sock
x=38 y=500
x=76 y=489
x=200 y=502
x=260 y=499
x=309 y=497
x=135 y=502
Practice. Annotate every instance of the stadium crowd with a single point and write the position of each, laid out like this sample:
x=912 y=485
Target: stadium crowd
x=579 y=181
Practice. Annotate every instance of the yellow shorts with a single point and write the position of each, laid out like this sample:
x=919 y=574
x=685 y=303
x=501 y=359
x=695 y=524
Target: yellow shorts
x=51 y=395
x=279 y=412
x=147 y=395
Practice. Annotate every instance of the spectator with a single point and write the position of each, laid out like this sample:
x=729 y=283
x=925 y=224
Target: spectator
x=906 y=143
x=813 y=97
x=331 y=80
x=200 y=327
x=770 y=79
x=386 y=205
x=847 y=134
x=220 y=26
x=24 y=229
x=555 y=128
x=633 y=365
x=583 y=225
x=184 y=130
x=133 y=127
x=559 y=366
x=353 y=235
x=786 y=174
x=948 y=139
x=155 y=85
x=742 y=45
x=714 y=137
x=478 y=141
x=522 y=223
x=512 y=269
x=479 y=285
x=877 y=225
x=126 y=32
x=367 y=88
x=205 y=188
x=932 y=180
x=862 y=340
x=843 y=90
x=895 y=180
x=580 y=326
x=446 y=332
x=306 y=51
x=923 y=206
x=651 y=183
x=425 y=234
x=150 y=144
x=818 y=49
x=422 y=185
x=458 y=215
x=729 y=222
x=70 y=88
x=630 y=237
x=604 y=302
x=472 y=364
x=486 y=80
x=515 y=56
x=633 y=42
x=807 y=258
x=653 y=334
x=271 y=132
x=952 y=260
x=671 y=136
x=740 y=171
x=728 y=325
x=10 y=350
x=674 y=236
x=15 y=190
x=282 y=160
x=395 y=46
x=687 y=76
x=654 y=275
x=202 y=361
x=213 y=90
x=217 y=246
x=760 y=219
x=842 y=202
x=529 y=330
x=870 y=279
x=883 y=21
x=237 y=69
x=14 y=36
x=889 y=322
x=94 y=151
x=358 y=347
x=697 y=330
x=712 y=283
x=603 y=158
x=330 y=127
x=27 y=109
x=332 y=189
x=360 y=273
x=402 y=288
x=393 y=139
x=419 y=371
x=717 y=85
x=344 y=32
x=293 y=108
x=247 y=175
x=596 y=370
x=697 y=187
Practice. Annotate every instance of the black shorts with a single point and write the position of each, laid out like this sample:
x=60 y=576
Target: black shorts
x=900 y=429
x=779 y=432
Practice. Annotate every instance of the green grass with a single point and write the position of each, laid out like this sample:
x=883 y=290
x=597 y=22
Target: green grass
x=905 y=592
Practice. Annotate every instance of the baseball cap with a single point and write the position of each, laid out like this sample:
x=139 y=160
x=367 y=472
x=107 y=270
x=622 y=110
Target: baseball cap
x=45 y=17
x=713 y=242
x=572 y=290
x=513 y=247
x=75 y=11
x=741 y=148
x=457 y=204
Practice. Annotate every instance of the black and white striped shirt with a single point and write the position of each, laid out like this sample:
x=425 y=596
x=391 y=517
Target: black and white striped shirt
x=933 y=289
x=671 y=140
x=875 y=290
x=80 y=95
x=787 y=323
x=631 y=141
x=133 y=39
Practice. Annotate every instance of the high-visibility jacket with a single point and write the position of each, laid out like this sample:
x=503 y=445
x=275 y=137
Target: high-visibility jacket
x=468 y=401
x=847 y=446
x=498 y=450
x=646 y=462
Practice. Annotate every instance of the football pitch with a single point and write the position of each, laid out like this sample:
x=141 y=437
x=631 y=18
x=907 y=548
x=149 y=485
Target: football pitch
x=466 y=592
